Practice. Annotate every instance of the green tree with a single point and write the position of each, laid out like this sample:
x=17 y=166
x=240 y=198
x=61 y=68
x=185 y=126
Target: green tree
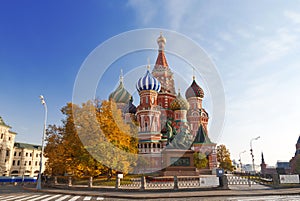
x=223 y=157
x=200 y=160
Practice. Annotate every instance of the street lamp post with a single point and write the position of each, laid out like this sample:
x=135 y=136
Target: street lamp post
x=241 y=165
x=251 y=152
x=39 y=181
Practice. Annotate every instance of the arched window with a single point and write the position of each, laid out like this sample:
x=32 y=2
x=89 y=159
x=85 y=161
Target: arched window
x=7 y=152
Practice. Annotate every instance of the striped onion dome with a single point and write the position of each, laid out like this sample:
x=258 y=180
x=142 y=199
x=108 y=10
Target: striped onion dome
x=194 y=90
x=148 y=82
x=179 y=103
x=120 y=95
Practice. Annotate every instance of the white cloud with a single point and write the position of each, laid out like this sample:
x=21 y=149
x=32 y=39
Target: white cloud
x=172 y=13
x=226 y=36
x=146 y=10
x=275 y=47
x=244 y=34
x=294 y=16
x=176 y=10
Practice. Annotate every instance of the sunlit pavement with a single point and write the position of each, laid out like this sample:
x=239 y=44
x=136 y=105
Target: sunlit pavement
x=9 y=192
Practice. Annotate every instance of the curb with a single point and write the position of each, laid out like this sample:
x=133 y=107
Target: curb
x=140 y=195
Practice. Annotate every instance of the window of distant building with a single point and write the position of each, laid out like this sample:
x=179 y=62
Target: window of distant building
x=20 y=153
x=36 y=163
x=36 y=155
x=7 y=152
x=25 y=163
x=14 y=162
x=29 y=163
x=2 y=136
x=18 y=163
x=9 y=138
x=15 y=153
x=30 y=154
x=26 y=154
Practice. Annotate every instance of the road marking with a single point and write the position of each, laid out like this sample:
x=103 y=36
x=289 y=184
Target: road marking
x=39 y=197
x=75 y=198
x=100 y=198
x=13 y=198
x=28 y=198
x=87 y=198
x=64 y=197
x=50 y=198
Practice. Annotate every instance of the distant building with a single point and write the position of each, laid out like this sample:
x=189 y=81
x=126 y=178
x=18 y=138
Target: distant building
x=17 y=159
x=248 y=168
x=266 y=170
x=282 y=167
x=293 y=161
x=7 y=139
x=26 y=160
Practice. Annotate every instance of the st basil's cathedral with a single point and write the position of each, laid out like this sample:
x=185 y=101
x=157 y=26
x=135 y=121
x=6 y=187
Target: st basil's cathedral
x=167 y=121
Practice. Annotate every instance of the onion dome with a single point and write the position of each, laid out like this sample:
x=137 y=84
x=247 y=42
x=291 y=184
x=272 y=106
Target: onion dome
x=130 y=108
x=194 y=90
x=179 y=103
x=120 y=95
x=148 y=82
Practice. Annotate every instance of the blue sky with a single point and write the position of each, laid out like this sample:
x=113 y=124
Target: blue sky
x=254 y=44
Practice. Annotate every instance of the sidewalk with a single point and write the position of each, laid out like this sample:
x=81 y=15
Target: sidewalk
x=152 y=194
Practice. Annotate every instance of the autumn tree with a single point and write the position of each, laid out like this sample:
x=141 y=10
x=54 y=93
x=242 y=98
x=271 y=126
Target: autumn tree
x=223 y=157
x=54 y=151
x=122 y=136
x=92 y=140
x=200 y=160
x=65 y=152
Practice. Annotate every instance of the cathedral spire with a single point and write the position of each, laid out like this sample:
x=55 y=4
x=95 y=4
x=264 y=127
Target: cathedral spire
x=262 y=158
x=161 y=58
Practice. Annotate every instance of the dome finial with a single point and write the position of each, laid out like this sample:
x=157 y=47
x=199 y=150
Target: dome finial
x=161 y=41
x=148 y=66
x=193 y=73
x=121 y=76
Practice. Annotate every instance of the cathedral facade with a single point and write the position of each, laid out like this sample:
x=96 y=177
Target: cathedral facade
x=167 y=120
